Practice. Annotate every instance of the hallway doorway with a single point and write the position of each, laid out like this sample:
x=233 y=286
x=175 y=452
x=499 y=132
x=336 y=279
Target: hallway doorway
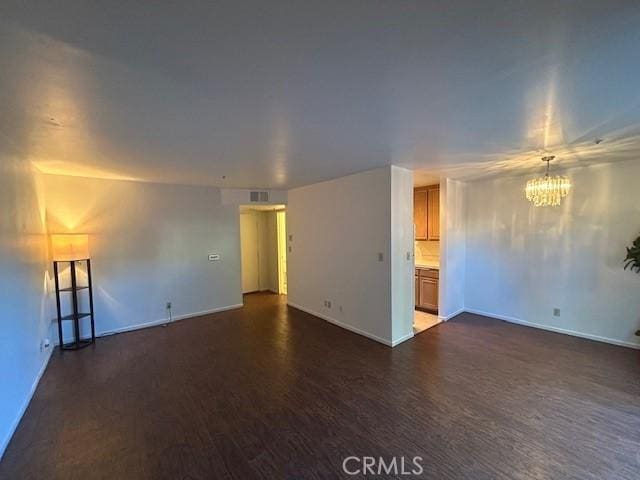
x=263 y=248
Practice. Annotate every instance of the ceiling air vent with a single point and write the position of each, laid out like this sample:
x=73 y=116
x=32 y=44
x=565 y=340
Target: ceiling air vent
x=259 y=196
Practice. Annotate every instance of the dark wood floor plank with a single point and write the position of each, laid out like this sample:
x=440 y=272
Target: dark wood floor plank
x=268 y=391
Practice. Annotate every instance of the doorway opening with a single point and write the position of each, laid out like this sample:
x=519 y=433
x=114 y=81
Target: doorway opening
x=263 y=249
x=426 y=226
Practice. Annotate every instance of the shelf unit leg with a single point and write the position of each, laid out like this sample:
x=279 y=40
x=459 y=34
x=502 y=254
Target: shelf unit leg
x=55 y=274
x=74 y=295
x=93 y=326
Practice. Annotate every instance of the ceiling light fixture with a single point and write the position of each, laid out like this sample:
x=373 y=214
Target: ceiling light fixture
x=547 y=191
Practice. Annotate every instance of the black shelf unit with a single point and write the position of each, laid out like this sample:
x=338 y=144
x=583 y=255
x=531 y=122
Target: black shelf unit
x=76 y=316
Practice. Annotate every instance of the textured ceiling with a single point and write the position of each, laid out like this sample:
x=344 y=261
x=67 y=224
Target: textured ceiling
x=280 y=94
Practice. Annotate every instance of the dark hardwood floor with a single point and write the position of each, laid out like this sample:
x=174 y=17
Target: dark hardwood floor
x=271 y=392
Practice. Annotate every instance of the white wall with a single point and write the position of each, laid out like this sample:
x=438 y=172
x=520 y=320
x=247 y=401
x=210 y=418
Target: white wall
x=402 y=249
x=339 y=228
x=26 y=307
x=149 y=245
x=453 y=254
x=523 y=261
x=250 y=252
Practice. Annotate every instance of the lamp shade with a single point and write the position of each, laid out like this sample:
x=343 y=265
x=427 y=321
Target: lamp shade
x=67 y=247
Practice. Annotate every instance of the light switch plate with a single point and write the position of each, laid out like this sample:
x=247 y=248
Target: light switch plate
x=214 y=257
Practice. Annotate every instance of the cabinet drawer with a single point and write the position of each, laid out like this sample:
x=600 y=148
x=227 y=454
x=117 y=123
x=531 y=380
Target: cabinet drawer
x=427 y=273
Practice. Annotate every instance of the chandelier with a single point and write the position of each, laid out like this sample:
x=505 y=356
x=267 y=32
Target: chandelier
x=547 y=190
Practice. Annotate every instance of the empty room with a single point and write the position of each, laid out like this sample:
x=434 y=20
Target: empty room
x=320 y=239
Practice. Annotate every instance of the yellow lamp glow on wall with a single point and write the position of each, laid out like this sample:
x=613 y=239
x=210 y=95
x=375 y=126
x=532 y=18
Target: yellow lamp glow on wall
x=68 y=247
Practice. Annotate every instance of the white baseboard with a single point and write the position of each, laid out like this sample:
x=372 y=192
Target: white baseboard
x=329 y=319
x=402 y=339
x=454 y=314
x=25 y=404
x=164 y=321
x=549 y=328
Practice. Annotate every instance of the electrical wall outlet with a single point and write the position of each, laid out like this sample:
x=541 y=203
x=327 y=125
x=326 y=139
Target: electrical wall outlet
x=214 y=257
x=556 y=312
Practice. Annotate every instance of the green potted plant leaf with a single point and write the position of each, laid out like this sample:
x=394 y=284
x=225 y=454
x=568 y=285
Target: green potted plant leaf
x=633 y=260
x=633 y=256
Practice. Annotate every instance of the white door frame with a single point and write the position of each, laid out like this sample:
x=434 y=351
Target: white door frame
x=281 y=226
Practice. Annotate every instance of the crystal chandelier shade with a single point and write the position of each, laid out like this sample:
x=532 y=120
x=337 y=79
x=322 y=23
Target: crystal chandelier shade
x=547 y=191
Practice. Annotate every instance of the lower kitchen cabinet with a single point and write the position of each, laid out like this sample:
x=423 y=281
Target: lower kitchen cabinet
x=426 y=285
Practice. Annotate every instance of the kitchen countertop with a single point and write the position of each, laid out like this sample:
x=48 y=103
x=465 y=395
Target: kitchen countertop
x=432 y=265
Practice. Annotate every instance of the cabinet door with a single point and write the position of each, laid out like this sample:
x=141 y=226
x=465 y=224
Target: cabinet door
x=417 y=292
x=420 y=214
x=433 y=214
x=429 y=293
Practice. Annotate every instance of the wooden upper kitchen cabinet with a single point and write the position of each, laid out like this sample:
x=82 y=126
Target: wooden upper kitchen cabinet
x=433 y=214
x=420 y=213
x=426 y=212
